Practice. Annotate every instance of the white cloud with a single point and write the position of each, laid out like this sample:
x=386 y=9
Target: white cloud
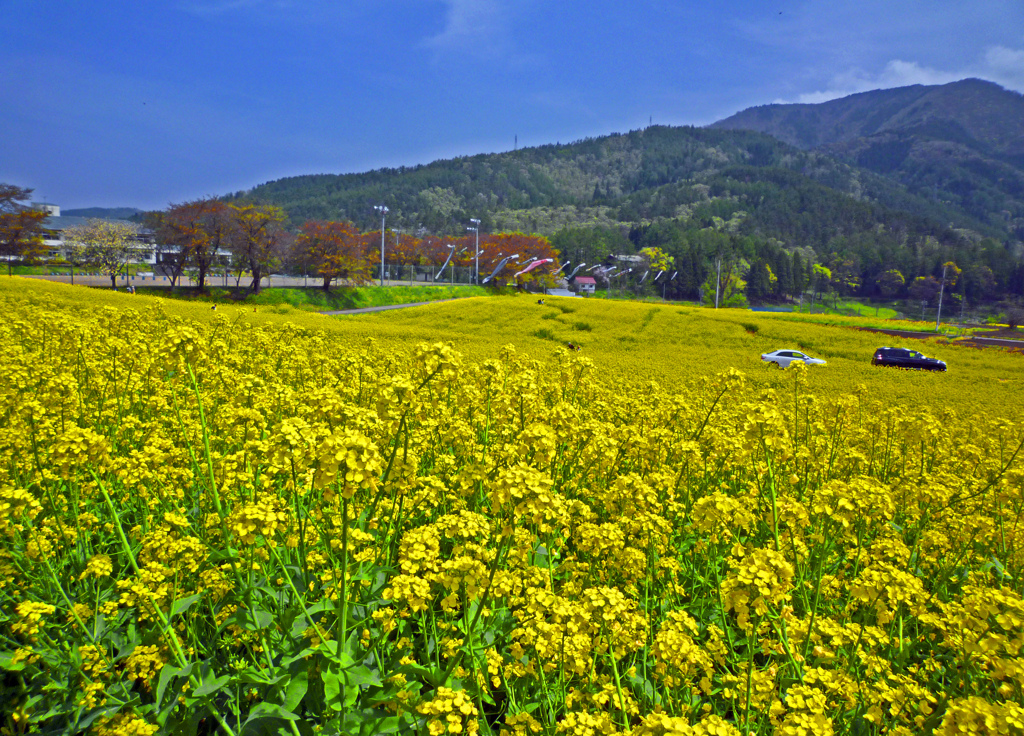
x=999 y=64
x=470 y=24
x=1007 y=66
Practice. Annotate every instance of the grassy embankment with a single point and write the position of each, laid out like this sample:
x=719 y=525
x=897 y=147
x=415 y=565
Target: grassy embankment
x=318 y=300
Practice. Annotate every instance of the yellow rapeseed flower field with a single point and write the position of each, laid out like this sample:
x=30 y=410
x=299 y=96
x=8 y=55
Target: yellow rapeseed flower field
x=442 y=521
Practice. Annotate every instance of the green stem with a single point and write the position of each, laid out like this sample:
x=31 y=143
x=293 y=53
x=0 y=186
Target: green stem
x=168 y=632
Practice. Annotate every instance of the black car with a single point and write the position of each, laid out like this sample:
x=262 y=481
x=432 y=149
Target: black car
x=903 y=358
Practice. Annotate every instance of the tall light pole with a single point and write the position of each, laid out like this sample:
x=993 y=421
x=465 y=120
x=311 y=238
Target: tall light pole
x=383 y=213
x=476 y=268
x=942 y=287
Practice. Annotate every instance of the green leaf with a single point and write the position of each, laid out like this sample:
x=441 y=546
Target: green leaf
x=297 y=686
x=375 y=723
x=7 y=662
x=182 y=605
x=431 y=675
x=362 y=675
x=223 y=555
x=167 y=674
x=253 y=676
x=333 y=685
x=269 y=710
x=252 y=620
x=85 y=721
x=335 y=653
x=341 y=685
x=211 y=686
x=308 y=651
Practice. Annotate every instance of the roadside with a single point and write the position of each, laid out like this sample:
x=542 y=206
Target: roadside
x=976 y=340
x=287 y=293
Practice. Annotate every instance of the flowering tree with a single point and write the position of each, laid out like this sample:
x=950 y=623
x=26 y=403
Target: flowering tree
x=108 y=245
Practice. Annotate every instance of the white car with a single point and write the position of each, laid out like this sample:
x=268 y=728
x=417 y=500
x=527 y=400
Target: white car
x=782 y=358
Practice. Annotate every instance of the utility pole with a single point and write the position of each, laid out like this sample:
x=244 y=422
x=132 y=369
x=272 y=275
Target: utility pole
x=383 y=213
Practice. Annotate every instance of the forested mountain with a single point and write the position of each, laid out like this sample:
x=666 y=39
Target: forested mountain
x=597 y=180
x=701 y=194
x=960 y=143
x=105 y=213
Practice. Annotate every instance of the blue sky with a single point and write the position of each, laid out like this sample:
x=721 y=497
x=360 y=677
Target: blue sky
x=147 y=103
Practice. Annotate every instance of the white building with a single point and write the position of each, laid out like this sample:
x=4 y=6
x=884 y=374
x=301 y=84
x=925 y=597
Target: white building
x=147 y=250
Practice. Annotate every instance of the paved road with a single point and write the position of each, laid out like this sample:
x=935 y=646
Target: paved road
x=382 y=309
x=903 y=333
x=997 y=341
x=273 y=281
x=974 y=340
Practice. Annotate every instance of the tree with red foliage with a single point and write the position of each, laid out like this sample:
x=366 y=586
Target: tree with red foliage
x=199 y=229
x=433 y=250
x=257 y=238
x=538 y=247
x=334 y=250
x=21 y=225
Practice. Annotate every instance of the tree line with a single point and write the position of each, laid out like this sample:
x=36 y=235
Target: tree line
x=205 y=236
x=751 y=268
x=336 y=252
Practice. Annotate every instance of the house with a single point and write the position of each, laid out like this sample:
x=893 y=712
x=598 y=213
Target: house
x=585 y=284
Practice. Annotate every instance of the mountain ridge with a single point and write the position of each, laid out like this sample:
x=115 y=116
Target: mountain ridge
x=961 y=142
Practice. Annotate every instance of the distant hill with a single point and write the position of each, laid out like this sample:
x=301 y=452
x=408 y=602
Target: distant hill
x=701 y=194
x=104 y=213
x=619 y=179
x=960 y=143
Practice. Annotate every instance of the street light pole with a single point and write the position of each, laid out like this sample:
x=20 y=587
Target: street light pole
x=476 y=229
x=383 y=213
x=942 y=287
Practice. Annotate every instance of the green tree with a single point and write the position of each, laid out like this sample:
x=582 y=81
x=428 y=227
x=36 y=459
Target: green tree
x=890 y=282
x=783 y=270
x=799 y=273
x=656 y=259
x=731 y=288
x=821 y=280
x=924 y=288
x=759 y=281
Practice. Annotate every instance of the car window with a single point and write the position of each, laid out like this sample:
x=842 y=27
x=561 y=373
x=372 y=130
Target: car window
x=915 y=354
